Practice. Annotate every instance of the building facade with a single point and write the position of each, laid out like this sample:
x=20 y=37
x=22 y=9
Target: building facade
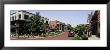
x=17 y=21
x=94 y=23
x=45 y=25
x=57 y=25
x=20 y=17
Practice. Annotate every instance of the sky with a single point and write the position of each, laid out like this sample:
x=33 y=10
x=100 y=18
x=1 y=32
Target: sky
x=73 y=17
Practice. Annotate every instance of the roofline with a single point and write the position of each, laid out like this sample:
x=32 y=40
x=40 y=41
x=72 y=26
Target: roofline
x=23 y=11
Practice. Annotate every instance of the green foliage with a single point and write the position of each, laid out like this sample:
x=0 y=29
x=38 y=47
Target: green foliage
x=77 y=37
x=52 y=33
x=13 y=32
x=69 y=27
x=81 y=29
x=84 y=37
x=33 y=24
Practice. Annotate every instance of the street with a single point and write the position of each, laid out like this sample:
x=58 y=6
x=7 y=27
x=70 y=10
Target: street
x=63 y=36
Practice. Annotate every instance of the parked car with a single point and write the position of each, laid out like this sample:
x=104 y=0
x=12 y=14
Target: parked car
x=71 y=34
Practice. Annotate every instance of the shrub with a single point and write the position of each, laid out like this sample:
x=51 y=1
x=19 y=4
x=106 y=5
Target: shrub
x=52 y=33
x=84 y=37
x=77 y=37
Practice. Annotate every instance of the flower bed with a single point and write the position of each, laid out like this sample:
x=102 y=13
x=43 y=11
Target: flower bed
x=52 y=33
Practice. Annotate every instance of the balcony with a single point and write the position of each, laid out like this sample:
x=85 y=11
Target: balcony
x=17 y=25
x=13 y=26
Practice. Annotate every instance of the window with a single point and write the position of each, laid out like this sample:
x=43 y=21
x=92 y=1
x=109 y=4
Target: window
x=13 y=18
x=46 y=22
x=26 y=16
x=42 y=20
x=19 y=16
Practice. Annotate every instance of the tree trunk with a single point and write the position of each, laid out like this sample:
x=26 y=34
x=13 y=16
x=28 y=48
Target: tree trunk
x=28 y=35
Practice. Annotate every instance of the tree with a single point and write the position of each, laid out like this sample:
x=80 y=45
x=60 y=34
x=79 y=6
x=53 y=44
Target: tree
x=77 y=37
x=80 y=29
x=34 y=24
x=44 y=26
x=69 y=27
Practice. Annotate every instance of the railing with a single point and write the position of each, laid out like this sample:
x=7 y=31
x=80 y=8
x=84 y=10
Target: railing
x=12 y=26
x=17 y=25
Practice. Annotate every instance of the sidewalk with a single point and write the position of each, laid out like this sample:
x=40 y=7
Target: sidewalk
x=93 y=37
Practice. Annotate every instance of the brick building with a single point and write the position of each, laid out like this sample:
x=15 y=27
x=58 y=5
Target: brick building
x=57 y=25
x=94 y=23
